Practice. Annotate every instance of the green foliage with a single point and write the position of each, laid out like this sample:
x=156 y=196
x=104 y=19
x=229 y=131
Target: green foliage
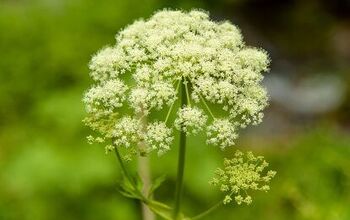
x=156 y=184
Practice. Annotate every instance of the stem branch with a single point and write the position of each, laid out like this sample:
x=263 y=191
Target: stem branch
x=206 y=106
x=172 y=104
x=187 y=93
x=124 y=170
x=208 y=211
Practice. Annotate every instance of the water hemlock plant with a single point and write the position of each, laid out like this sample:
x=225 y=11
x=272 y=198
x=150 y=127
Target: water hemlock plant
x=165 y=75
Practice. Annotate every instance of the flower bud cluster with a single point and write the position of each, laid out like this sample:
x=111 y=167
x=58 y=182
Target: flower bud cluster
x=241 y=174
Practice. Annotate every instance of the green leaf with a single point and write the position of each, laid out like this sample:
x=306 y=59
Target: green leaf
x=139 y=182
x=128 y=190
x=161 y=209
x=155 y=185
x=129 y=195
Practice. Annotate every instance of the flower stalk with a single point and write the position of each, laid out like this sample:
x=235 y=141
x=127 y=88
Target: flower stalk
x=181 y=160
x=145 y=174
x=122 y=166
x=208 y=211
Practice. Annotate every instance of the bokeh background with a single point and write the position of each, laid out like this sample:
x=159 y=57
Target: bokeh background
x=49 y=172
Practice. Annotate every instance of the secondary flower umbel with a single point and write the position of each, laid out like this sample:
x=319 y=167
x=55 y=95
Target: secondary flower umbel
x=241 y=174
x=143 y=71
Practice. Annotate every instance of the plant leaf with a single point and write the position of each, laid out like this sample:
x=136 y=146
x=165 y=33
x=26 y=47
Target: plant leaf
x=139 y=182
x=156 y=184
x=161 y=209
x=128 y=190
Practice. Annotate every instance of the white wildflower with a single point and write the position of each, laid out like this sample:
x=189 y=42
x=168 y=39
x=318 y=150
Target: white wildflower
x=109 y=95
x=252 y=101
x=215 y=91
x=151 y=56
x=108 y=62
x=162 y=93
x=142 y=75
x=159 y=137
x=127 y=132
x=139 y=100
x=190 y=120
x=254 y=59
x=156 y=96
x=222 y=132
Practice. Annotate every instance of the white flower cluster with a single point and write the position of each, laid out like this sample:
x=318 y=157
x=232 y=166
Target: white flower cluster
x=107 y=96
x=190 y=120
x=215 y=91
x=128 y=132
x=151 y=58
x=159 y=137
x=156 y=96
x=222 y=132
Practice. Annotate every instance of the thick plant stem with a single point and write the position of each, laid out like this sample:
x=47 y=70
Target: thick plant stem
x=145 y=174
x=181 y=162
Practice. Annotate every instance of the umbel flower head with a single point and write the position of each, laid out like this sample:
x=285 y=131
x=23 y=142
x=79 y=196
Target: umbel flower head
x=241 y=174
x=143 y=71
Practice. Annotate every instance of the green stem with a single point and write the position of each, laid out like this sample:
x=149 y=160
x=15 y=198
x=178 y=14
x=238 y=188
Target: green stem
x=128 y=176
x=187 y=93
x=124 y=170
x=144 y=171
x=172 y=104
x=206 y=106
x=181 y=162
x=208 y=211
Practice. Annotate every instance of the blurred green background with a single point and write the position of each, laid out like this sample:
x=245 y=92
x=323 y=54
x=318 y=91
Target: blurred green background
x=49 y=172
